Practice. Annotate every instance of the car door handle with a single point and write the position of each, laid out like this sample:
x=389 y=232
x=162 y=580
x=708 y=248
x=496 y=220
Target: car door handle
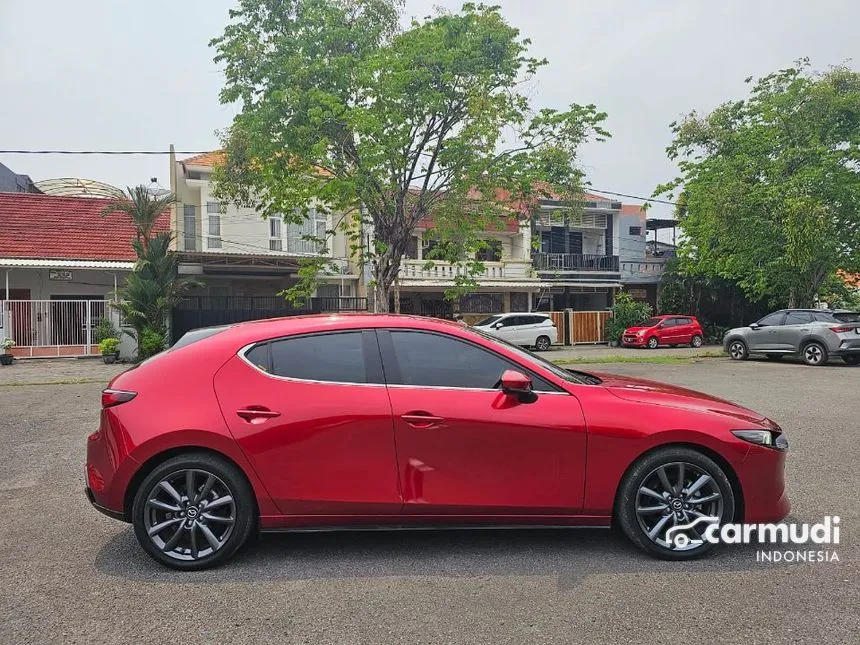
x=256 y=414
x=420 y=419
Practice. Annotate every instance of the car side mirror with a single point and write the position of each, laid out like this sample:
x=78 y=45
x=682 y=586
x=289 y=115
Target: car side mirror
x=754 y=325
x=517 y=384
x=497 y=325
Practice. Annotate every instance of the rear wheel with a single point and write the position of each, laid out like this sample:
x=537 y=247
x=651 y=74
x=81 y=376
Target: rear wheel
x=738 y=350
x=543 y=343
x=851 y=360
x=696 y=342
x=653 y=342
x=814 y=354
x=193 y=511
x=669 y=498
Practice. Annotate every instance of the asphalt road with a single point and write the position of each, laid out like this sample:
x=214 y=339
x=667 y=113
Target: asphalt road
x=70 y=575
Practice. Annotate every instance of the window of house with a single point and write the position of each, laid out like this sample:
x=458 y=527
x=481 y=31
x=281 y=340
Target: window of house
x=275 y=241
x=432 y=360
x=325 y=357
x=312 y=226
x=490 y=251
x=189 y=219
x=635 y=230
x=213 y=215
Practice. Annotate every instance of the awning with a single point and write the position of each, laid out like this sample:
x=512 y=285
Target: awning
x=27 y=263
x=504 y=285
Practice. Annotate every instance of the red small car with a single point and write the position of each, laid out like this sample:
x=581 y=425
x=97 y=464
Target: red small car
x=369 y=421
x=669 y=329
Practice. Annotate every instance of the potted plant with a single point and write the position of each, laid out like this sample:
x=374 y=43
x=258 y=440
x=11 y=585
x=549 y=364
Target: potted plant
x=6 y=356
x=109 y=347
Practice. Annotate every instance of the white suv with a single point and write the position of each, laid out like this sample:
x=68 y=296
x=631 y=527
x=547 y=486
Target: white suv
x=530 y=330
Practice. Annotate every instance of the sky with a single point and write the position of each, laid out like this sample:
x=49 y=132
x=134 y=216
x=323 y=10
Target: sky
x=106 y=74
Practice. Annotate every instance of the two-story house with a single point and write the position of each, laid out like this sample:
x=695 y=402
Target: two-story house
x=235 y=252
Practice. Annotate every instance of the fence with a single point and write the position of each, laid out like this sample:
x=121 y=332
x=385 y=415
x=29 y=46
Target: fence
x=194 y=312
x=580 y=326
x=53 y=327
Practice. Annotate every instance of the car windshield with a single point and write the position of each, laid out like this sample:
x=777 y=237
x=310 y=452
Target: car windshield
x=574 y=376
x=847 y=316
x=487 y=321
x=652 y=322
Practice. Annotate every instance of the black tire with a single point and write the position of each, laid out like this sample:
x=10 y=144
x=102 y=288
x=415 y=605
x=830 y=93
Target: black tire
x=543 y=343
x=851 y=360
x=642 y=471
x=696 y=341
x=653 y=342
x=814 y=354
x=228 y=480
x=775 y=357
x=738 y=350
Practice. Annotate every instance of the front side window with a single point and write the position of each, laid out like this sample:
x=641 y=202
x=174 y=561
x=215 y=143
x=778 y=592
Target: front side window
x=337 y=358
x=669 y=322
x=652 y=322
x=772 y=319
x=432 y=360
x=487 y=321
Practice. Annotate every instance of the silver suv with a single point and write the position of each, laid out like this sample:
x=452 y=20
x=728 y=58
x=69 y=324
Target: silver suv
x=813 y=334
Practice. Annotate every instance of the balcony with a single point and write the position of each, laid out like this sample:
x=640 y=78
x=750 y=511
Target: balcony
x=575 y=262
x=445 y=271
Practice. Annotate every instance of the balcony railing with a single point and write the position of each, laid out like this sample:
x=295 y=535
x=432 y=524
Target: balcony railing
x=507 y=270
x=643 y=267
x=574 y=262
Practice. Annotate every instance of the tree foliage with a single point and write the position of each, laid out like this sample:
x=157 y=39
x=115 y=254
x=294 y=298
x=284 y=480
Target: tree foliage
x=770 y=185
x=343 y=109
x=626 y=312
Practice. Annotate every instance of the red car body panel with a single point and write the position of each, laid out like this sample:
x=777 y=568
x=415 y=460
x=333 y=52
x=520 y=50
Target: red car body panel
x=674 y=335
x=342 y=454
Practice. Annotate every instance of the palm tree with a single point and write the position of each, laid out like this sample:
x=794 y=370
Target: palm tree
x=143 y=208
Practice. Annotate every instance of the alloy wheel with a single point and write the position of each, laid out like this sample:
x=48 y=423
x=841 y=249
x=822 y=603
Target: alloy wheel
x=190 y=514
x=653 y=342
x=676 y=494
x=737 y=350
x=697 y=341
x=542 y=344
x=813 y=354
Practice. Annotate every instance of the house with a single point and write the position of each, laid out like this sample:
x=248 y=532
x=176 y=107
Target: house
x=11 y=182
x=60 y=263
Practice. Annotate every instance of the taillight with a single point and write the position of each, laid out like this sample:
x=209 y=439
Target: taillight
x=841 y=330
x=111 y=398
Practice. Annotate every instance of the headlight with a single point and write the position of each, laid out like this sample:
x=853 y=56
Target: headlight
x=768 y=438
x=641 y=332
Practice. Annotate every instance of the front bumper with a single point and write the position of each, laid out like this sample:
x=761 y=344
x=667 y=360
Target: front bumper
x=762 y=479
x=633 y=341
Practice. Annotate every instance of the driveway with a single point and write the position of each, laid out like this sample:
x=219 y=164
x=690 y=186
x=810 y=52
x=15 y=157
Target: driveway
x=71 y=575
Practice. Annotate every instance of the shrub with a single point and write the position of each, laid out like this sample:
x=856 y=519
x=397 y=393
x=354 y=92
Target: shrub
x=7 y=344
x=626 y=312
x=150 y=342
x=108 y=346
x=714 y=333
x=104 y=329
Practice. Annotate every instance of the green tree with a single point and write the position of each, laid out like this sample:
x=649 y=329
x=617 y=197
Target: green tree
x=152 y=288
x=342 y=107
x=771 y=185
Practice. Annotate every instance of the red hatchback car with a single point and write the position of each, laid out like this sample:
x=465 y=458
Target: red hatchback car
x=357 y=421
x=669 y=330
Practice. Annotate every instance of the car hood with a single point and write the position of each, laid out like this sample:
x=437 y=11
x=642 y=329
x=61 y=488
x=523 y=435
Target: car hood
x=644 y=391
x=633 y=330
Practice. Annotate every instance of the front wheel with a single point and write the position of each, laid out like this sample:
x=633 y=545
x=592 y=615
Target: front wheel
x=194 y=511
x=669 y=498
x=653 y=342
x=696 y=342
x=738 y=350
x=542 y=344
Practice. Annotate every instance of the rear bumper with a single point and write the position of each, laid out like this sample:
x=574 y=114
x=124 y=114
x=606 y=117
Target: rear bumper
x=117 y=515
x=849 y=347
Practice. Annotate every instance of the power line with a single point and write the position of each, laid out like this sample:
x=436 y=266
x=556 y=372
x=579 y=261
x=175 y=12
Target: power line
x=644 y=199
x=102 y=152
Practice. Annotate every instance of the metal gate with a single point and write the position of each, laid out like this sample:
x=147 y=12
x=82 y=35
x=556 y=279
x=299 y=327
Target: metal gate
x=53 y=327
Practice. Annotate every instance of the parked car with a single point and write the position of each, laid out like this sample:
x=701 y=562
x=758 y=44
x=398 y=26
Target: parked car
x=669 y=330
x=360 y=421
x=527 y=330
x=813 y=334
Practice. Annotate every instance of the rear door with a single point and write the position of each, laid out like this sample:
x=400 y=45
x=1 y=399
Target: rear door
x=311 y=412
x=683 y=330
x=796 y=326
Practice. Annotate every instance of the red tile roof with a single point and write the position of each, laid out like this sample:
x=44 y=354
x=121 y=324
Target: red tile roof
x=67 y=228
x=207 y=159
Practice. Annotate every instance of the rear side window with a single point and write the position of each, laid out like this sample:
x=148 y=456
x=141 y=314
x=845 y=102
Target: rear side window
x=683 y=321
x=798 y=317
x=337 y=358
x=259 y=356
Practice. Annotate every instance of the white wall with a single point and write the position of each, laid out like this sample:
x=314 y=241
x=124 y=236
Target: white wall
x=94 y=284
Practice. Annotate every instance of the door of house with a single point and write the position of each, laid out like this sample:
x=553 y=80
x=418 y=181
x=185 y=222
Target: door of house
x=20 y=317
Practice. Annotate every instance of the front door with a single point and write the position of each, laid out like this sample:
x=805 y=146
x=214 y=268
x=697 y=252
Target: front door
x=312 y=415
x=20 y=316
x=766 y=337
x=466 y=448
x=666 y=331
x=796 y=327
